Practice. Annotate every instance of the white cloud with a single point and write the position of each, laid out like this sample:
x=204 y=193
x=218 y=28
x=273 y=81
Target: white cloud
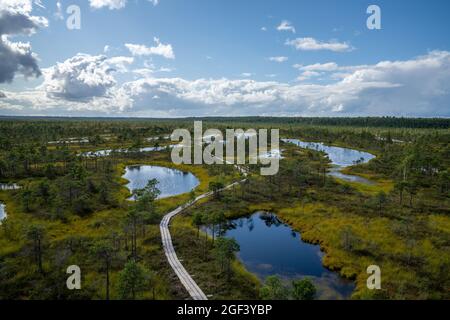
x=164 y=50
x=311 y=44
x=246 y=74
x=17 y=57
x=263 y=29
x=114 y=4
x=144 y=72
x=308 y=75
x=39 y=4
x=386 y=88
x=165 y=69
x=278 y=59
x=330 y=66
x=59 y=13
x=16 y=18
x=286 y=26
x=83 y=77
x=110 y=4
x=120 y=63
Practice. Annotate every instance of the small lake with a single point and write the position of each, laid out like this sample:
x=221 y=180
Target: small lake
x=106 y=153
x=2 y=212
x=270 y=247
x=340 y=158
x=172 y=182
x=9 y=186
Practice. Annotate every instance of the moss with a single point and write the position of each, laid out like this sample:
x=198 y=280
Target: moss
x=198 y=258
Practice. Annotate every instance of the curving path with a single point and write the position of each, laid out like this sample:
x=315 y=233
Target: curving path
x=191 y=286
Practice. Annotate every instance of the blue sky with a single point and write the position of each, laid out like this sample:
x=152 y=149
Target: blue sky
x=172 y=58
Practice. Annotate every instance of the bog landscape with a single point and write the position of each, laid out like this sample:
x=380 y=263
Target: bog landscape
x=349 y=194
x=230 y=151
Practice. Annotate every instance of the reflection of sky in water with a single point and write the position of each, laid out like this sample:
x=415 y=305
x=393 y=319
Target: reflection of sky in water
x=343 y=157
x=2 y=211
x=340 y=157
x=171 y=182
x=9 y=186
x=269 y=247
x=105 y=153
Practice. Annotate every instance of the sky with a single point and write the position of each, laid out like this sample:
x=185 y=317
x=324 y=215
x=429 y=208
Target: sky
x=177 y=58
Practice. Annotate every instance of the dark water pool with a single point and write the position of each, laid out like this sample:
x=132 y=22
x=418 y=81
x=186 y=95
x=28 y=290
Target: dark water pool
x=9 y=186
x=340 y=157
x=270 y=247
x=108 y=152
x=2 y=212
x=172 y=182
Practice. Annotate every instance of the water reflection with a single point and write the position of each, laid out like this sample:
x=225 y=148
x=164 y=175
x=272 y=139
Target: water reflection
x=9 y=186
x=269 y=247
x=108 y=152
x=2 y=212
x=340 y=157
x=172 y=182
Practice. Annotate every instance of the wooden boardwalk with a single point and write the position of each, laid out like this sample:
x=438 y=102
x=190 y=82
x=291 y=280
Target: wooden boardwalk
x=191 y=286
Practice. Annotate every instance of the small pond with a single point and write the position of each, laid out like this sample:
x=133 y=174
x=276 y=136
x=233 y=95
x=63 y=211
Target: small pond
x=270 y=247
x=9 y=186
x=2 y=212
x=340 y=158
x=172 y=182
x=108 y=152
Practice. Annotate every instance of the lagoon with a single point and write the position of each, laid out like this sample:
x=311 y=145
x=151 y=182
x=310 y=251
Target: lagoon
x=339 y=157
x=271 y=247
x=171 y=182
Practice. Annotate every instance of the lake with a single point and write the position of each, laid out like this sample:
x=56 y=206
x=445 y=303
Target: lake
x=9 y=186
x=339 y=157
x=270 y=247
x=2 y=212
x=171 y=182
x=108 y=152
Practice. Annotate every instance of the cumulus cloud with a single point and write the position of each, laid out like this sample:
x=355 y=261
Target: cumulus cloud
x=120 y=64
x=17 y=57
x=386 y=88
x=114 y=4
x=110 y=4
x=164 y=50
x=329 y=66
x=311 y=44
x=2 y=95
x=305 y=75
x=286 y=26
x=16 y=18
x=83 y=77
x=144 y=72
x=278 y=59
